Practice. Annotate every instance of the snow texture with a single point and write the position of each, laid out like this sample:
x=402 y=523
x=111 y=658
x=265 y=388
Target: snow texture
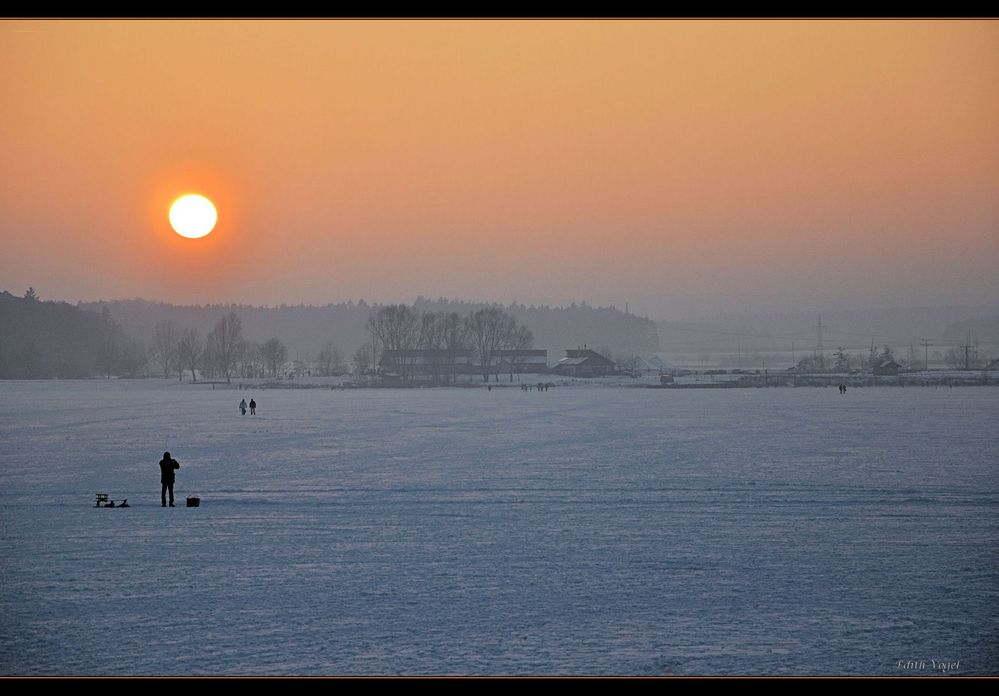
x=460 y=531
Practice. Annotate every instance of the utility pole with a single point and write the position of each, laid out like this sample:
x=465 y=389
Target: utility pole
x=926 y=351
x=966 y=347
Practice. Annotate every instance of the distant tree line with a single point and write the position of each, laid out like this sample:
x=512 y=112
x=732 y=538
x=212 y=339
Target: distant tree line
x=57 y=340
x=394 y=332
x=306 y=330
x=223 y=354
x=44 y=340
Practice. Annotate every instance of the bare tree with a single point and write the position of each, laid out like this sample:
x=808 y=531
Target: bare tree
x=274 y=354
x=431 y=339
x=454 y=339
x=120 y=355
x=373 y=344
x=223 y=343
x=166 y=339
x=133 y=358
x=109 y=354
x=189 y=352
x=520 y=338
x=364 y=359
x=208 y=362
x=239 y=354
x=111 y=346
x=489 y=330
x=250 y=359
x=330 y=360
x=396 y=328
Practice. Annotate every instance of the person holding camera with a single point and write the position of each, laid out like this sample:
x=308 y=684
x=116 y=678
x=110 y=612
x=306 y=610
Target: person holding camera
x=167 y=467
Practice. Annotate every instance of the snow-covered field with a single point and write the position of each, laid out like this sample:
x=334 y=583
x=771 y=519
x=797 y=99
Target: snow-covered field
x=459 y=531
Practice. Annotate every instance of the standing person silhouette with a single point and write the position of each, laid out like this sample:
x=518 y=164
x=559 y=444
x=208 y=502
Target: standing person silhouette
x=253 y=407
x=167 y=467
x=242 y=407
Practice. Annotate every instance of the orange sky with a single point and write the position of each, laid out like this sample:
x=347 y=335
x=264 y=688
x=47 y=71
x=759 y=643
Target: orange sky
x=680 y=166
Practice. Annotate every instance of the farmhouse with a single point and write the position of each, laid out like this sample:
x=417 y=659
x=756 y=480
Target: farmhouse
x=583 y=362
x=887 y=368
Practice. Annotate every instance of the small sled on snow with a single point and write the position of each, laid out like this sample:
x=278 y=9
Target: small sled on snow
x=103 y=500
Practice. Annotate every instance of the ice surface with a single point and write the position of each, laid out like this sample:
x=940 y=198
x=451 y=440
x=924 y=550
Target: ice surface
x=460 y=531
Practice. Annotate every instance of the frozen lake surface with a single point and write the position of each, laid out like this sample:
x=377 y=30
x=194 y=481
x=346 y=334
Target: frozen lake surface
x=459 y=531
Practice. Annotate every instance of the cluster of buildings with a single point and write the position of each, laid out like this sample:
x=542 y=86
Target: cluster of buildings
x=444 y=365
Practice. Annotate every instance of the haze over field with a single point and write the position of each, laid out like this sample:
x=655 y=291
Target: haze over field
x=684 y=167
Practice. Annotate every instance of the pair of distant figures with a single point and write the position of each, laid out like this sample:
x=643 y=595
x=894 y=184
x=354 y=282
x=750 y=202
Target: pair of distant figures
x=253 y=407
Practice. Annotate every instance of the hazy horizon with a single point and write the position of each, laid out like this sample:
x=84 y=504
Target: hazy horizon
x=682 y=168
x=719 y=315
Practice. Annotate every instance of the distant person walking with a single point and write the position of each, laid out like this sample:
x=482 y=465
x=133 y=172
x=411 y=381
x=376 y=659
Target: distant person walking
x=253 y=407
x=167 y=466
x=242 y=407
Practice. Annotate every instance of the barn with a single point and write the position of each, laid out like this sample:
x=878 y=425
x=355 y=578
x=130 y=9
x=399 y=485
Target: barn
x=583 y=362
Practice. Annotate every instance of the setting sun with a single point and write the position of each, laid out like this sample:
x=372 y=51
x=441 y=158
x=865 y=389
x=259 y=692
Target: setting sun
x=193 y=216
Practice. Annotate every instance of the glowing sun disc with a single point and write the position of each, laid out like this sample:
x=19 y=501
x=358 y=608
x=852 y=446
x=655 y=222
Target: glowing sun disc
x=193 y=216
